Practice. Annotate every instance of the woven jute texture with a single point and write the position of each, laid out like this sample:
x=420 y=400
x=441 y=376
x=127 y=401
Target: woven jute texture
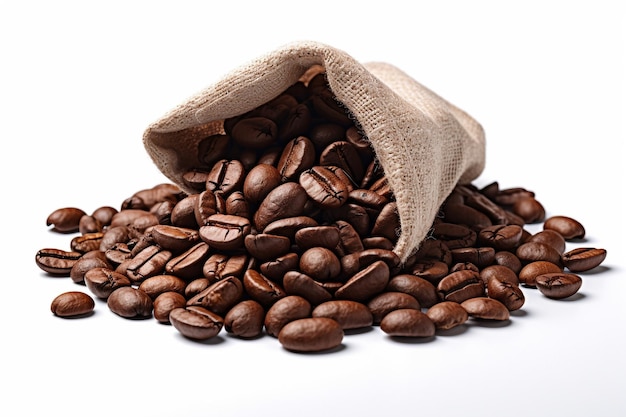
x=425 y=144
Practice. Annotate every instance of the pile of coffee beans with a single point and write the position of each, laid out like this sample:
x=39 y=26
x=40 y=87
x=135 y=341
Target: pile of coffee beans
x=290 y=233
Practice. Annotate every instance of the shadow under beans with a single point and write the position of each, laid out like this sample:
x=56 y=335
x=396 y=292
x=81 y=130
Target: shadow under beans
x=494 y=324
x=600 y=269
x=77 y=317
x=575 y=297
x=412 y=340
x=336 y=349
x=360 y=330
x=212 y=341
x=455 y=331
x=518 y=313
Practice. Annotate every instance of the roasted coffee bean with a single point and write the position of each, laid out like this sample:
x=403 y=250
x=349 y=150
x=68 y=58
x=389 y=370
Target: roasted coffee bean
x=386 y=302
x=408 y=322
x=323 y=186
x=317 y=236
x=136 y=219
x=297 y=157
x=225 y=232
x=481 y=256
x=261 y=179
x=114 y=235
x=65 y=220
x=212 y=148
x=129 y=302
x=583 y=259
x=220 y=296
x=466 y=215
x=354 y=262
x=158 y=284
x=537 y=251
x=164 y=303
x=196 y=286
x=454 y=235
x=173 y=238
x=366 y=283
x=344 y=155
x=104 y=214
x=550 y=238
x=237 y=205
x=529 y=273
x=350 y=241
x=367 y=198
x=184 y=212
x=349 y=314
x=87 y=242
x=568 y=227
x=460 y=286
x=387 y=223
x=462 y=266
x=508 y=196
x=529 y=209
x=277 y=268
x=196 y=180
x=262 y=289
x=434 y=249
x=320 y=264
x=56 y=261
x=72 y=304
x=501 y=237
x=266 y=247
x=495 y=212
x=118 y=253
x=447 y=315
x=219 y=266
x=558 y=285
x=377 y=242
x=508 y=259
x=163 y=211
x=421 y=289
x=499 y=272
x=297 y=283
x=226 y=176
x=296 y=123
x=486 y=309
x=285 y=310
x=103 y=281
x=147 y=263
x=506 y=292
x=313 y=334
x=245 y=319
x=286 y=200
x=189 y=264
x=84 y=265
x=255 y=132
x=206 y=205
x=288 y=226
x=89 y=224
x=430 y=270
x=196 y=322
x=145 y=199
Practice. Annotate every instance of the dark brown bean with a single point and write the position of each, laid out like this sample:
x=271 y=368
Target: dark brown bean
x=164 y=303
x=196 y=322
x=313 y=334
x=65 y=220
x=558 y=285
x=72 y=304
x=386 y=302
x=285 y=310
x=568 y=227
x=349 y=314
x=583 y=259
x=245 y=319
x=56 y=261
x=486 y=309
x=447 y=315
x=129 y=302
x=408 y=322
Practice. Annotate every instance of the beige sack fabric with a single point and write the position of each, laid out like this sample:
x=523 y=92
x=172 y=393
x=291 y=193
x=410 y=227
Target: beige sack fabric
x=424 y=144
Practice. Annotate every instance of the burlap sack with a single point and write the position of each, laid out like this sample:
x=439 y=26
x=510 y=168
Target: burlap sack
x=424 y=144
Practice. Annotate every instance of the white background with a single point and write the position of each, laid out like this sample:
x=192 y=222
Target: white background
x=80 y=81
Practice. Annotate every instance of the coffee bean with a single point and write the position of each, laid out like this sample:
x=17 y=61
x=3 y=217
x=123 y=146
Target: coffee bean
x=84 y=265
x=220 y=296
x=447 y=315
x=225 y=176
x=56 y=261
x=196 y=322
x=537 y=251
x=261 y=179
x=408 y=322
x=261 y=289
x=129 y=302
x=486 y=309
x=421 y=289
x=550 y=238
x=430 y=270
x=104 y=214
x=386 y=302
x=508 y=259
x=286 y=200
x=165 y=302
x=72 y=304
x=317 y=236
x=460 y=286
x=158 y=284
x=149 y=262
x=313 y=334
x=297 y=283
x=255 y=132
x=265 y=247
x=103 y=281
x=529 y=209
x=87 y=242
x=501 y=237
x=506 y=292
x=531 y=271
x=173 y=238
x=583 y=259
x=499 y=272
x=320 y=264
x=558 y=285
x=324 y=186
x=225 y=232
x=366 y=283
x=480 y=256
x=568 y=227
x=288 y=226
x=285 y=310
x=65 y=220
x=298 y=156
